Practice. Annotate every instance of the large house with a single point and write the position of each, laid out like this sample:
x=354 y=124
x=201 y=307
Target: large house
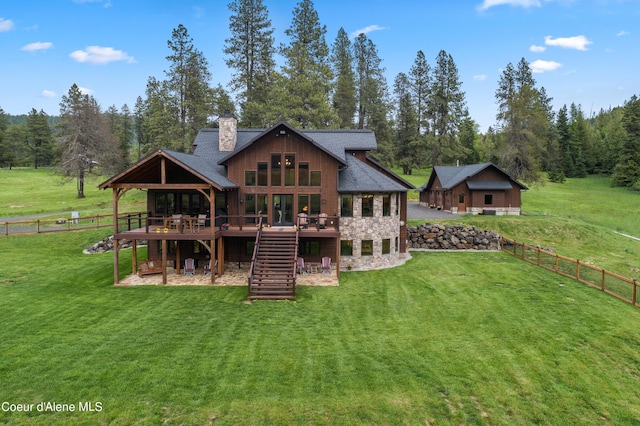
x=477 y=189
x=267 y=195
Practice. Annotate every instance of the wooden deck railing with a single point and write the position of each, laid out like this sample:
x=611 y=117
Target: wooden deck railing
x=41 y=226
x=609 y=282
x=254 y=256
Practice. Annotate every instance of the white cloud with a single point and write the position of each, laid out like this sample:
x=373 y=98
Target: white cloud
x=537 y=49
x=540 y=66
x=86 y=91
x=480 y=77
x=577 y=42
x=48 y=94
x=623 y=33
x=100 y=55
x=38 y=45
x=367 y=30
x=6 y=25
x=487 y=4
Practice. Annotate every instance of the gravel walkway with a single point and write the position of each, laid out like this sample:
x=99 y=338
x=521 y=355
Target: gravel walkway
x=416 y=211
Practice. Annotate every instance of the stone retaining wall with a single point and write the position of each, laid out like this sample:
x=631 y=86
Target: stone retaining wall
x=451 y=237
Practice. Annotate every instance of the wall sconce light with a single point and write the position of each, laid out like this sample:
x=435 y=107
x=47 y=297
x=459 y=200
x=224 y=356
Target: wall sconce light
x=324 y=201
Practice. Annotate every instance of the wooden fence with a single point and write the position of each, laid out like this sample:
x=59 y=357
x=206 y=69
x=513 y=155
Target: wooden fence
x=611 y=283
x=40 y=226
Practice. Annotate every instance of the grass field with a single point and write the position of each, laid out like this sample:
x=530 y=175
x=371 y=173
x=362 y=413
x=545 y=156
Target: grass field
x=26 y=191
x=447 y=338
x=468 y=344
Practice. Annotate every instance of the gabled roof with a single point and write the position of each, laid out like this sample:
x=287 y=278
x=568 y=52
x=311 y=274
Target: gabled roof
x=359 y=177
x=145 y=170
x=335 y=142
x=451 y=176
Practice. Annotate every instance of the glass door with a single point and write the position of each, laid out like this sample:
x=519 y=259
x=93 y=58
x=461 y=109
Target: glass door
x=282 y=209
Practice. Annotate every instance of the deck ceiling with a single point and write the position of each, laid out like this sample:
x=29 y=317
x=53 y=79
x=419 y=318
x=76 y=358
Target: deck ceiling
x=150 y=172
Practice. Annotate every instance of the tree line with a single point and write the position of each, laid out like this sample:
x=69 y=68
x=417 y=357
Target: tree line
x=420 y=121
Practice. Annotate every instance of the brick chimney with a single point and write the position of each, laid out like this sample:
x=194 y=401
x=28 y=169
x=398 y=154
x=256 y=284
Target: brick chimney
x=228 y=133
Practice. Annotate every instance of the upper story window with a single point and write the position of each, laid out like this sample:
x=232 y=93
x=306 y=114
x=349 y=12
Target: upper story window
x=289 y=170
x=250 y=178
x=263 y=174
x=316 y=178
x=303 y=174
x=276 y=169
x=386 y=205
x=367 y=205
x=346 y=205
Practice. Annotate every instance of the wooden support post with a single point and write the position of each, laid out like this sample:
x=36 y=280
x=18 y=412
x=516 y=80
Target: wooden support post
x=134 y=257
x=116 y=260
x=178 y=258
x=220 y=255
x=338 y=257
x=164 y=262
x=212 y=259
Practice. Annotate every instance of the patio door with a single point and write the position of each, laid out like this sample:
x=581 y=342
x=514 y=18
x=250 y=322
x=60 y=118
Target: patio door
x=282 y=209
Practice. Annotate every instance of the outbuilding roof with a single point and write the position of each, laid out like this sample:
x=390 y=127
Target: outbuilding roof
x=451 y=176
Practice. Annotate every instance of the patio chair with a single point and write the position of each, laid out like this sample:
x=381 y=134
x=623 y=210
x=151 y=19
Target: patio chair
x=176 y=222
x=200 y=222
x=302 y=268
x=189 y=267
x=303 y=220
x=326 y=265
x=207 y=268
x=322 y=220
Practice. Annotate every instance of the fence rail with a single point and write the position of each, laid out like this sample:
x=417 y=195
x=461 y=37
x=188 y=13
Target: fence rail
x=609 y=282
x=41 y=226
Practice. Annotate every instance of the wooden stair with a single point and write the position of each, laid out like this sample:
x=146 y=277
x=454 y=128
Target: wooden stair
x=274 y=269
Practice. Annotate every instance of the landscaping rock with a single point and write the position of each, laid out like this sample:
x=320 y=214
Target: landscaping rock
x=449 y=237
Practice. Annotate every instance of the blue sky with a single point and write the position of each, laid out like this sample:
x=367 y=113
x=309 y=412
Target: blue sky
x=581 y=51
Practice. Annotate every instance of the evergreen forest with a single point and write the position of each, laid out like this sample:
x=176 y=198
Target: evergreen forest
x=329 y=81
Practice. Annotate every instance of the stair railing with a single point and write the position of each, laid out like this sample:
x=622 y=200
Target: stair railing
x=254 y=257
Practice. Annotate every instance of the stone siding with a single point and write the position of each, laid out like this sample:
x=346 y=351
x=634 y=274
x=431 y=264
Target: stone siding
x=376 y=228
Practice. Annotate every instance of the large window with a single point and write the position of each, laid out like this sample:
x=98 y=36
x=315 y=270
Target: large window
x=346 y=247
x=316 y=178
x=303 y=174
x=276 y=169
x=250 y=207
x=250 y=178
x=386 y=205
x=309 y=247
x=346 y=205
x=366 y=248
x=289 y=170
x=263 y=174
x=367 y=205
x=386 y=246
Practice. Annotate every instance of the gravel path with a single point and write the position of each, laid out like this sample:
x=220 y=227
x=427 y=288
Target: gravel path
x=416 y=211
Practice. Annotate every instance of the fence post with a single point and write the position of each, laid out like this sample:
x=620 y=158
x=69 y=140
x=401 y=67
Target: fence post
x=578 y=269
x=6 y=228
x=38 y=225
x=557 y=263
x=538 y=256
x=634 y=296
x=603 y=275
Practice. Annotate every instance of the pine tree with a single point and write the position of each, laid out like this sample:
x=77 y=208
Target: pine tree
x=188 y=83
x=250 y=53
x=627 y=172
x=447 y=108
x=39 y=138
x=86 y=139
x=578 y=140
x=420 y=78
x=307 y=71
x=409 y=151
x=524 y=122
x=344 y=96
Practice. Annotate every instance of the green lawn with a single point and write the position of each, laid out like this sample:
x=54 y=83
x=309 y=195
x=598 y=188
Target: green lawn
x=27 y=191
x=464 y=338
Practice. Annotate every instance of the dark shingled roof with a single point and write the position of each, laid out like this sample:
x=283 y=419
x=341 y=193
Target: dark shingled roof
x=208 y=169
x=450 y=176
x=358 y=177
